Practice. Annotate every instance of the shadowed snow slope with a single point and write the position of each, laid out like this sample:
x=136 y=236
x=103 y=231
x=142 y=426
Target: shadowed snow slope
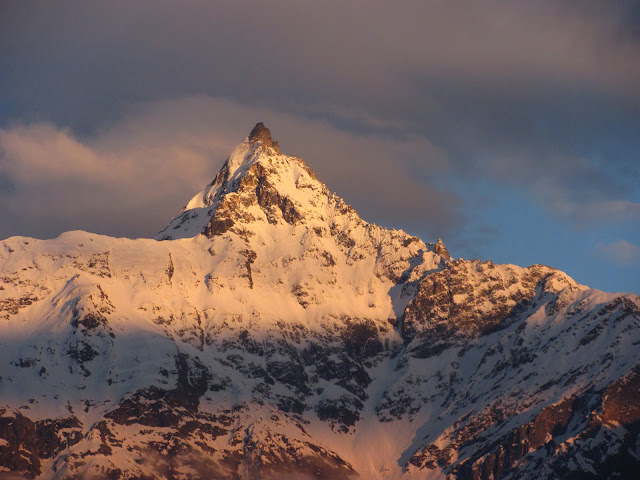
x=269 y=332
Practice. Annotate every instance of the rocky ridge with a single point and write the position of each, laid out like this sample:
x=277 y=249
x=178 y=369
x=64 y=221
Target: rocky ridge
x=270 y=331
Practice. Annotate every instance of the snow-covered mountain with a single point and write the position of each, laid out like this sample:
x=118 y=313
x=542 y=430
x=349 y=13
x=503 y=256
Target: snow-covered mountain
x=269 y=332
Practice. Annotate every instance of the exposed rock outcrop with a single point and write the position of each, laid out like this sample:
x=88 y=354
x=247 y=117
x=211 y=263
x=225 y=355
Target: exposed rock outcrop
x=261 y=134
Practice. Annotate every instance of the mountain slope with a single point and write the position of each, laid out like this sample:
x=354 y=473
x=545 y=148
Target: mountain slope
x=269 y=331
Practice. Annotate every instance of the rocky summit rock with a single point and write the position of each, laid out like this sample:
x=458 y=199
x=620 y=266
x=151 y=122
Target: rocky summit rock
x=261 y=134
x=269 y=332
x=441 y=249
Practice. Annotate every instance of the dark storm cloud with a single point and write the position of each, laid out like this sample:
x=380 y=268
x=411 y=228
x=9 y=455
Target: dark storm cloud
x=407 y=60
x=535 y=94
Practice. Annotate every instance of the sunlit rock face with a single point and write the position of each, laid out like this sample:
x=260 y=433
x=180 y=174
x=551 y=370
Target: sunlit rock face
x=269 y=332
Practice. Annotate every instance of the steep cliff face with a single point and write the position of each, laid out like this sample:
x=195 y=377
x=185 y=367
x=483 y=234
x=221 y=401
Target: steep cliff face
x=269 y=332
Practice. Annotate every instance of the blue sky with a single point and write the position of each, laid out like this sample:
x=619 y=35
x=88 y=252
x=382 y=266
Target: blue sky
x=509 y=129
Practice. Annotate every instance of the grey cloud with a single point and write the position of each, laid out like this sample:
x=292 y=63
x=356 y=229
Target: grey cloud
x=586 y=214
x=372 y=55
x=621 y=252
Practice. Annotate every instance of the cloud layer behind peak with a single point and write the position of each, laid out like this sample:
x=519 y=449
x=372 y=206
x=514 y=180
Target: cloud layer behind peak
x=131 y=178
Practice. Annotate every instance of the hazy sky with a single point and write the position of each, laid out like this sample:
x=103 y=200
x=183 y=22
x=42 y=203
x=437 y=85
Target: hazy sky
x=510 y=129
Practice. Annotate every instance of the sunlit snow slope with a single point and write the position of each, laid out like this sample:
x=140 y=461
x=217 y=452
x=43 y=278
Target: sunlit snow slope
x=269 y=332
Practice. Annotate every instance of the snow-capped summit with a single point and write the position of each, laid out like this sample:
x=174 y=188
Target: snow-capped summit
x=255 y=174
x=273 y=333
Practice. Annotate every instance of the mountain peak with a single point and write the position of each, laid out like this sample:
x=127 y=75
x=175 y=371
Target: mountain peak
x=261 y=197
x=261 y=134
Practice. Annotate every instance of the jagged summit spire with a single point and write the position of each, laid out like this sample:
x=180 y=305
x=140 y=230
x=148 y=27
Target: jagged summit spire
x=441 y=249
x=261 y=134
